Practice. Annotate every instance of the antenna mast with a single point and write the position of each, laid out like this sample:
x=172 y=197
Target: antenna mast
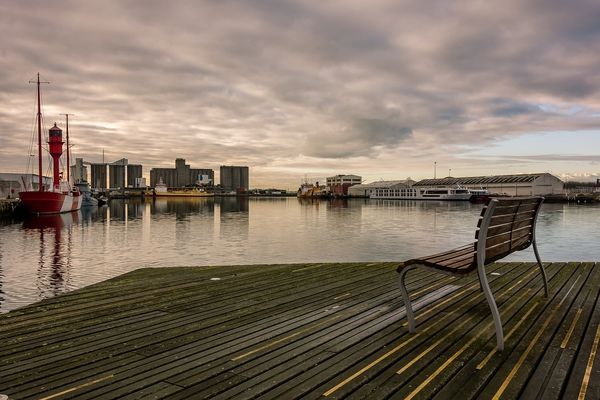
x=39 y=118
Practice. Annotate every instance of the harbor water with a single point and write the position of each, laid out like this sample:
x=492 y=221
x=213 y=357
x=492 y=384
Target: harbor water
x=41 y=257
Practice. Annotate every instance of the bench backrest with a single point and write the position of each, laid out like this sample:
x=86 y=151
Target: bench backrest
x=506 y=225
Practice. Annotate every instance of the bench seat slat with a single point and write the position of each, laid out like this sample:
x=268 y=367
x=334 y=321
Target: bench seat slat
x=446 y=254
x=504 y=210
x=503 y=228
x=507 y=237
x=517 y=201
x=459 y=260
x=504 y=219
x=503 y=249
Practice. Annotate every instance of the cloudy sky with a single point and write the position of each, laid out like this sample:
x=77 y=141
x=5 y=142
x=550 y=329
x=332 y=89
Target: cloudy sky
x=382 y=89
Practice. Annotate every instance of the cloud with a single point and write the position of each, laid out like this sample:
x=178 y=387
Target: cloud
x=510 y=108
x=284 y=85
x=362 y=137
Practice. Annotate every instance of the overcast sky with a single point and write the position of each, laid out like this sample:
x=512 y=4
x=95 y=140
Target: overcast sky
x=381 y=89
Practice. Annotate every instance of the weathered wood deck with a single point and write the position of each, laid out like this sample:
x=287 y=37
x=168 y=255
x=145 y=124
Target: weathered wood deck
x=307 y=331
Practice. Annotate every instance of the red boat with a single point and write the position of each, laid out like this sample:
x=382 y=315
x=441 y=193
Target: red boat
x=61 y=197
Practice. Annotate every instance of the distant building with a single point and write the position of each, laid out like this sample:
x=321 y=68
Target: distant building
x=339 y=184
x=140 y=183
x=512 y=185
x=99 y=175
x=117 y=175
x=235 y=178
x=388 y=187
x=134 y=174
x=182 y=175
x=79 y=171
x=11 y=183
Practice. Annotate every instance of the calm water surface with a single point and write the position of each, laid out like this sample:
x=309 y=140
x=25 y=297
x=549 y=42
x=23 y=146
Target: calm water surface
x=44 y=256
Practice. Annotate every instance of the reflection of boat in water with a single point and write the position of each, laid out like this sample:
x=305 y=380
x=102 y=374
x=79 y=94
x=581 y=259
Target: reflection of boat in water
x=310 y=191
x=51 y=221
x=53 y=273
x=161 y=190
x=417 y=193
x=60 y=197
x=479 y=195
x=87 y=200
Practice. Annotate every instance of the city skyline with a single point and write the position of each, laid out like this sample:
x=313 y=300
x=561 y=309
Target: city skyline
x=301 y=88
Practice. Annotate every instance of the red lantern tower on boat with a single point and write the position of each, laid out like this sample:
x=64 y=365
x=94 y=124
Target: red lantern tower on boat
x=55 y=144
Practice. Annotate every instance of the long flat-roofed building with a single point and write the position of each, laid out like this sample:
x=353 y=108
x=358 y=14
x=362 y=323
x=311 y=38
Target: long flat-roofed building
x=13 y=183
x=512 y=185
x=366 y=189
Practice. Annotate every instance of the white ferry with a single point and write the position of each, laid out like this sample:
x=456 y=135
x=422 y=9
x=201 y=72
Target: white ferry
x=419 y=193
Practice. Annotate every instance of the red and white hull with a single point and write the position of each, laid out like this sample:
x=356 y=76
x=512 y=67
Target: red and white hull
x=50 y=202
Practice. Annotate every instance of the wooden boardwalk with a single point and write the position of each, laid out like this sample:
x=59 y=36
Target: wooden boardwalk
x=308 y=331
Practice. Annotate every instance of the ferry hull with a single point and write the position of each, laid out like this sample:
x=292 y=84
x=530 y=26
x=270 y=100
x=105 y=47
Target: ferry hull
x=50 y=202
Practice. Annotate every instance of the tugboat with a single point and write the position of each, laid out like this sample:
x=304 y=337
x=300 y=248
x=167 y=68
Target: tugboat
x=60 y=197
x=310 y=191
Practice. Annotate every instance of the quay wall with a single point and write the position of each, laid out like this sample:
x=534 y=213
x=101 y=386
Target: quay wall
x=7 y=206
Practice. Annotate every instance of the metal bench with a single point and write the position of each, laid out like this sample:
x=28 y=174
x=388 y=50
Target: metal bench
x=505 y=226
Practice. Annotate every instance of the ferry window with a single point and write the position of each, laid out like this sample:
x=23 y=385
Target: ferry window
x=437 y=192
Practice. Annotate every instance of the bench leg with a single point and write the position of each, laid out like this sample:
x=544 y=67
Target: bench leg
x=407 y=305
x=494 y=308
x=537 y=257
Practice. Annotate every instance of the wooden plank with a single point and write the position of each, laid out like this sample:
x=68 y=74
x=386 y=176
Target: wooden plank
x=436 y=258
x=552 y=372
x=501 y=250
x=505 y=219
x=512 y=236
x=482 y=367
x=144 y=332
x=299 y=331
x=507 y=227
x=476 y=330
x=360 y=357
x=146 y=362
x=513 y=374
x=585 y=373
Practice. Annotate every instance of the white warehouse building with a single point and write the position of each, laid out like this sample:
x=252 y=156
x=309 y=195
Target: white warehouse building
x=366 y=189
x=511 y=185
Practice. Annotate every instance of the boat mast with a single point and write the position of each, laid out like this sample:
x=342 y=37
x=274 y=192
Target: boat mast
x=68 y=150
x=39 y=120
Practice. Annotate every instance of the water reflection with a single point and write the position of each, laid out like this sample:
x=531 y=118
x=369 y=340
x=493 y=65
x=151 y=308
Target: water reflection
x=234 y=204
x=124 y=210
x=44 y=256
x=234 y=221
x=54 y=250
x=181 y=208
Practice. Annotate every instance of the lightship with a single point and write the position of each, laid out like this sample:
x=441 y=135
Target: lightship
x=61 y=197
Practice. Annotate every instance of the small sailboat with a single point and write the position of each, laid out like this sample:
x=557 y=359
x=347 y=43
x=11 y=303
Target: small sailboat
x=60 y=197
